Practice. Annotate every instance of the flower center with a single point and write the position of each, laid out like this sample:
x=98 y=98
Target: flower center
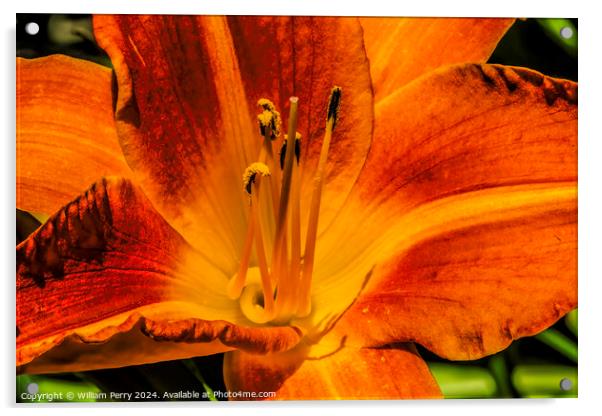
x=279 y=287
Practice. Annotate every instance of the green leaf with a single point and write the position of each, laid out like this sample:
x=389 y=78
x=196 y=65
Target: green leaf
x=545 y=380
x=571 y=320
x=67 y=30
x=44 y=389
x=463 y=381
x=560 y=342
x=559 y=30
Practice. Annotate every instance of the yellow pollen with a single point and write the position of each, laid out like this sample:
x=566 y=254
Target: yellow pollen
x=298 y=136
x=265 y=118
x=266 y=104
x=269 y=117
x=251 y=172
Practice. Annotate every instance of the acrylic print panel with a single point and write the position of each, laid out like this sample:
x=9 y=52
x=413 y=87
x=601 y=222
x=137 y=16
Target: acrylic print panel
x=292 y=208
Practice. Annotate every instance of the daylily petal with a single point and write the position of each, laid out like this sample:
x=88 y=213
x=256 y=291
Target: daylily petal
x=106 y=266
x=186 y=111
x=113 y=342
x=282 y=57
x=470 y=292
x=348 y=374
x=183 y=122
x=467 y=145
x=66 y=136
x=471 y=127
x=402 y=49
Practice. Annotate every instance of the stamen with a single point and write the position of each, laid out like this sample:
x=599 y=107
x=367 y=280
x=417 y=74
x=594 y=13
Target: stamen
x=312 y=228
x=256 y=286
x=266 y=281
x=251 y=179
x=269 y=127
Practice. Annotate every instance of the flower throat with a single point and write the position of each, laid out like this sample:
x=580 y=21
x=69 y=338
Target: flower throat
x=280 y=290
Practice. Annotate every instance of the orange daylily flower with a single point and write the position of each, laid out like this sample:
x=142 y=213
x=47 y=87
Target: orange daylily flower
x=429 y=200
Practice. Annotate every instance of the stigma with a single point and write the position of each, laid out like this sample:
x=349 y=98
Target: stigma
x=274 y=286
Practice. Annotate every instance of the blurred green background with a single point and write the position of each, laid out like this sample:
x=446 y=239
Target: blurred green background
x=541 y=366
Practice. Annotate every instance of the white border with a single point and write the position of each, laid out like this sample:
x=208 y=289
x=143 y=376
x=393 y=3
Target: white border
x=520 y=8
x=590 y=161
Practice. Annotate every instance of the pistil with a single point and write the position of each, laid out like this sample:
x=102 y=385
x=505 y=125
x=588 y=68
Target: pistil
x=279 y=256
x=286 y=303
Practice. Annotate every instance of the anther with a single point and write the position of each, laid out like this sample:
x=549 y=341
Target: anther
x=297 y=149
x=333 y=106
x=248 y=178
x=269 y=118
x=265 y=120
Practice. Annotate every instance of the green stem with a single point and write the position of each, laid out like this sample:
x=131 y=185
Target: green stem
x=497 y=365
x=545 y=380
x=463 y=381
x=195 y=371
